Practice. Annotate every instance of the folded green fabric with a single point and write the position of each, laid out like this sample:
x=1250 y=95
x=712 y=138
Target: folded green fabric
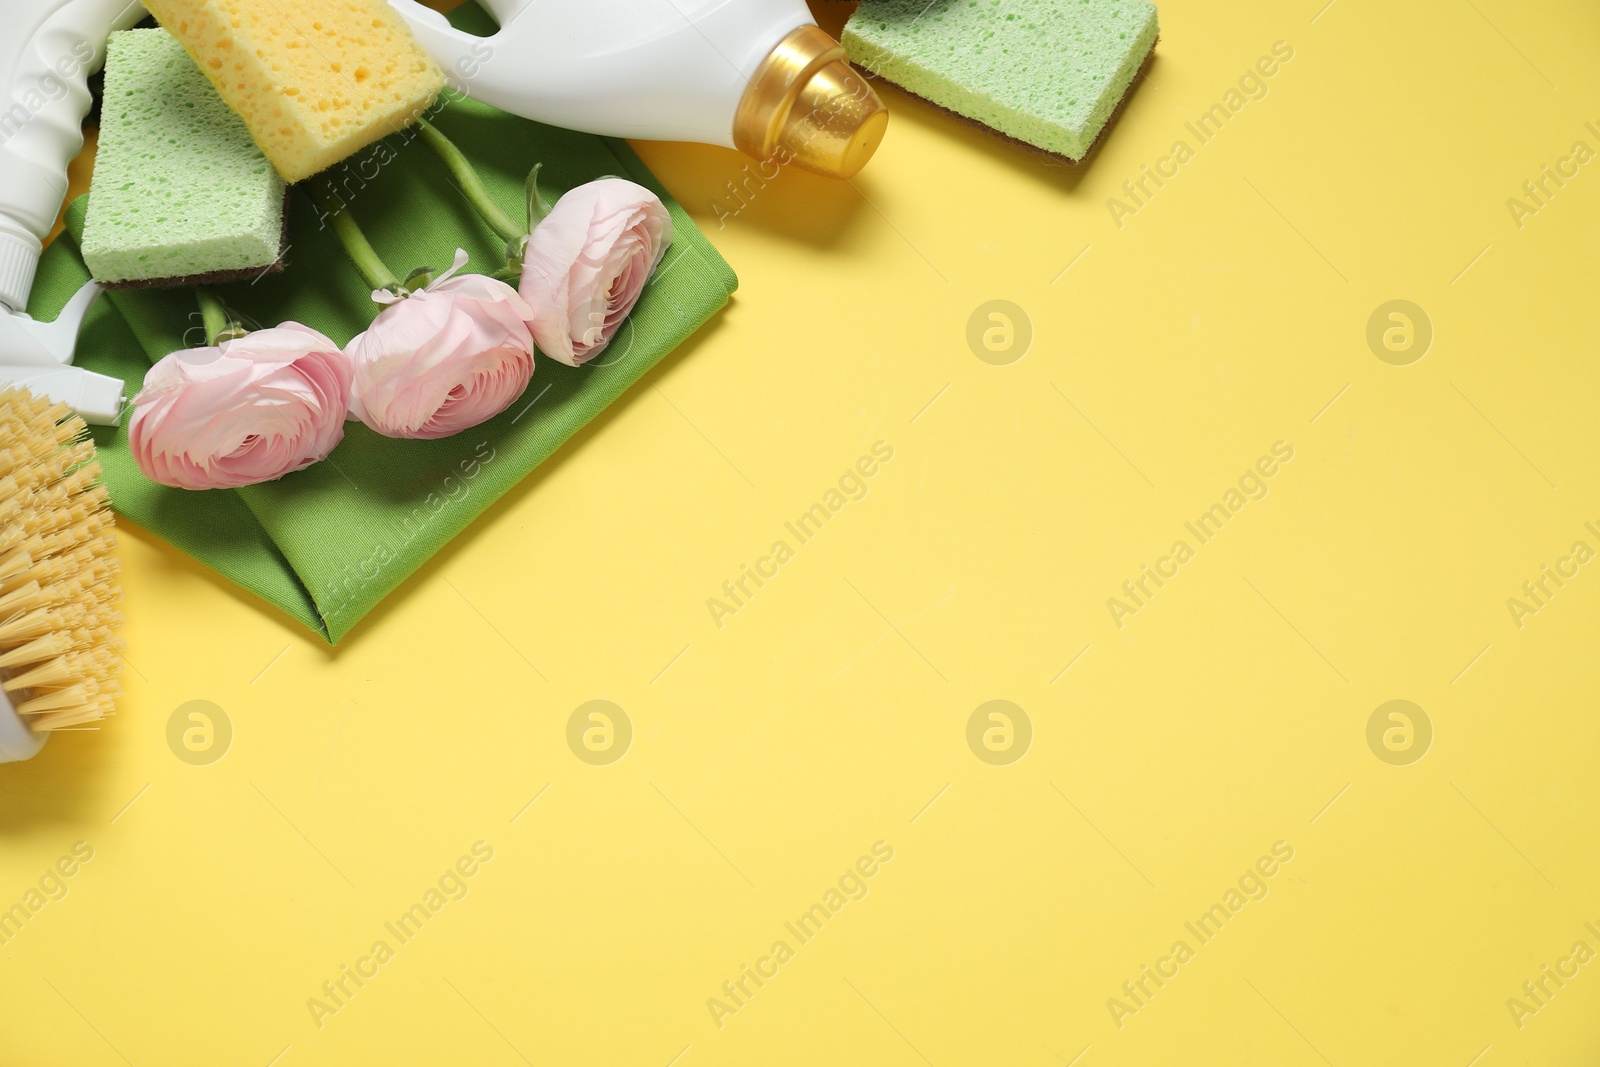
x=326 y=544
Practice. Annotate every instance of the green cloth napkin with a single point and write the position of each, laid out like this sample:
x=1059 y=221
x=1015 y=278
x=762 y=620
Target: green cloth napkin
x=326 y=544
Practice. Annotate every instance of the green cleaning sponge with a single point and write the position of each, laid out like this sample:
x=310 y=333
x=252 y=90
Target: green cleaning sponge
x=1048 y=72
x=180 y=193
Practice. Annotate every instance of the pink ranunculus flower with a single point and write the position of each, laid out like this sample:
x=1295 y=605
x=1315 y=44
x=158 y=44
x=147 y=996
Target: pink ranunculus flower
x=248 y=410
x=438 y=361
x=587 y=263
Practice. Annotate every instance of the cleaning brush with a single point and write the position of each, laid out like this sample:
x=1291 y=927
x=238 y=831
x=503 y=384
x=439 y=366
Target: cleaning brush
x=58 y=576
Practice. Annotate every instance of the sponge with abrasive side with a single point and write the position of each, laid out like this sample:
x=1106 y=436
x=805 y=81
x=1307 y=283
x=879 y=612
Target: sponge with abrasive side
x=1047 y=72
x=315 y=80
x=180 y=193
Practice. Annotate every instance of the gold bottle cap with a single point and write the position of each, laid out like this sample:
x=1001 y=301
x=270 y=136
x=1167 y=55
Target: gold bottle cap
x=807 y=105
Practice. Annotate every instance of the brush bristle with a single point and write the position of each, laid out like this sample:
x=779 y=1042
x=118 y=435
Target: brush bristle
x=59 y=656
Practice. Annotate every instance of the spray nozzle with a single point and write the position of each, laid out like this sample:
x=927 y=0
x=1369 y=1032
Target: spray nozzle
x=39 y=355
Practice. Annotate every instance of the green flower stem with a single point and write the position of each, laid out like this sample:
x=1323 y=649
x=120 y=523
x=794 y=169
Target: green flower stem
x=355 y=243
x=220 y=325
x=470 y=184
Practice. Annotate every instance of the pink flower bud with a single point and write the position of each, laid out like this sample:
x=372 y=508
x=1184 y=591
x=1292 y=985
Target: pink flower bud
x=250 y=410
x=439 y=361
x=587 y=263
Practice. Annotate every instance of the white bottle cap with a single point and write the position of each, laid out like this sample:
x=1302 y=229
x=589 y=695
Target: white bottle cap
x=19 y=258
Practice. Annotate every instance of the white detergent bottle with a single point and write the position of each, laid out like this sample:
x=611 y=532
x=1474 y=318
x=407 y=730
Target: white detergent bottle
x=756 y=75
x=47 y=51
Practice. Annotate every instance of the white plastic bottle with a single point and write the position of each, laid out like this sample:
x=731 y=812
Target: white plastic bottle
x=48 y=49
x=757 y=75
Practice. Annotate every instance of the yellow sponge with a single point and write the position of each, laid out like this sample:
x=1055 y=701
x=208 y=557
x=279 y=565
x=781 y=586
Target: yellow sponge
x=314 y=80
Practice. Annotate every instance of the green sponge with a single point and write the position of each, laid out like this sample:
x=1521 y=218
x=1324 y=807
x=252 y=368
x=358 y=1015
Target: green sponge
x=180 y=193
x=1048 y=72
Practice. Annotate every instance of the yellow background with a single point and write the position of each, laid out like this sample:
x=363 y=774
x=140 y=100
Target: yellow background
x=768 y=754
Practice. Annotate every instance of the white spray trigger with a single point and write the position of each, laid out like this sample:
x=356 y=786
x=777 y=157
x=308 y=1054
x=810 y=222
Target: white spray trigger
x=39 y=355
x=60 y=337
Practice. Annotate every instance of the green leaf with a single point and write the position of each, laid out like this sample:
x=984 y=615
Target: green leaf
x=538 y=206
